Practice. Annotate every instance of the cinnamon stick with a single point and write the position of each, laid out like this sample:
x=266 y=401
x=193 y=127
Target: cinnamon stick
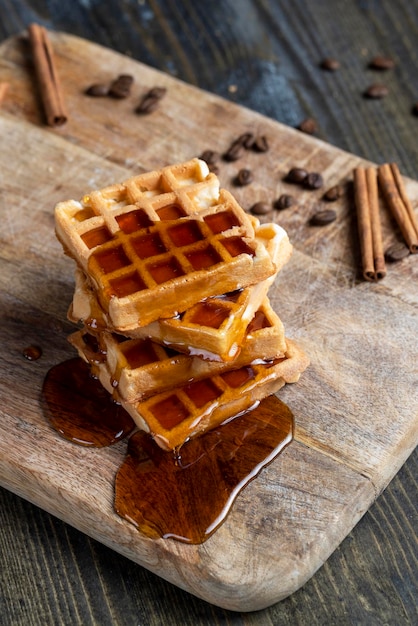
x=47 y=76
x=398 y=203
x=370 y=234
x=3 y=90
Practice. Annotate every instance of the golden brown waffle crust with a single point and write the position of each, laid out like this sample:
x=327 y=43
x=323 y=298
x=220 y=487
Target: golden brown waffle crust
x=286 y=371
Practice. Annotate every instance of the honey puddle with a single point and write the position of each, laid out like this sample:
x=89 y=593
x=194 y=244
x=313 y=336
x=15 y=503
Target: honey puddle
x=184 y=496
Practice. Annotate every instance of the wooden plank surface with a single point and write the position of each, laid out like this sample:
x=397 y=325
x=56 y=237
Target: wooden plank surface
x=356 y=407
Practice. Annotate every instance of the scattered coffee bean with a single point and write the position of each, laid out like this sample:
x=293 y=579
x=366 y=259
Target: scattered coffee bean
x=308 y=126
x=376 y=91
x=260 y=144
x=333 y=193
x=313 y=181
x=381 y=63
x=284 y=202
x=234 y=152
x=32 y=353
x=151 y=100
x=210 y=157
x=322 y=218
x=244 y=177
x=98 y=90
x=330 y=64
x=246 y=139
x=296 y=175
x=415 y=109
x=396 y=252
x=260 y=208
x=121 y=86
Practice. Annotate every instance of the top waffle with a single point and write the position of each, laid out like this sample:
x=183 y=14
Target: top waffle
x=156 y=244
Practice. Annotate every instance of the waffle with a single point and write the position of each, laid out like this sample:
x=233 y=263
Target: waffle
x=177 y=415
x=161 y=239
x=213 y=328
x=132 y=369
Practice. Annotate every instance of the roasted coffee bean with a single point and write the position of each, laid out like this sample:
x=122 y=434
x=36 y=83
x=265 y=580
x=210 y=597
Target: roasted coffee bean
x=381 y=63
x=210 y=157
x=322 y=218
x=284 y=202
x=308 y=126
x=157 y=92
x=246 y=140
x=121 y=86
x=32 y=353
x=260 y=208
x=330 y=64
x=396 y=252
x=296 y=175
x=244 y=177
x=415 y=109
x=313 y=181
x=376 y=91
x=260 y=144
x=234 y=152
x=333 y=193
x=98 y=90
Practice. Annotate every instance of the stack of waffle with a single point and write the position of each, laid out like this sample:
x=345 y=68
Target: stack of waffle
x=171 y=288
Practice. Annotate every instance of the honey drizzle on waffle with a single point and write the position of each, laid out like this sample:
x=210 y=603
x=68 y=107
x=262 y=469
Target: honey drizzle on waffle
x=131 y=254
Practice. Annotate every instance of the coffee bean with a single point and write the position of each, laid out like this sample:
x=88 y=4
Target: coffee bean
x=322 y=218
x=244 y=177
x=260 y=144
x=396 y=252
x=313 y=181
x=376 y=91
x=234 y=152
x=296 y=175
x=308 y=126
x=151 y=100
x=330 y=64
x=415 y=109
x=32 y=353
x=381 y=63
x=260 y=208
x=157 y=92
x=98 y=90
x=333 y=193
x=121 y=86
x=210 y=157
x=284 y=202
x=246 y=140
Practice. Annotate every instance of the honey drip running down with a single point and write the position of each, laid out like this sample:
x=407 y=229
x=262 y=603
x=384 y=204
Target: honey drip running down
x=80 y=409
x=188 y=496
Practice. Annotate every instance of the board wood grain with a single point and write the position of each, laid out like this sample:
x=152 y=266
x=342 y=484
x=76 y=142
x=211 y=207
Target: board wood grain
x=355 y=408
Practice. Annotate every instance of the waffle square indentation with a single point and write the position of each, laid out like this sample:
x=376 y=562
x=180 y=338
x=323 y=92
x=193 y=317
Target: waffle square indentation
x=139 y=353
x=185 y=233
x=171 y=212
x=111 y=259
x=237 y=246
x=209 y=314
x=202 y=391
x=238 y=378
x=169 y=412
x=165 y=270
x=126 y=285
x=202 y=259
x=96 y=236
x=218 y=222
x=133 y=221
x=148 y=245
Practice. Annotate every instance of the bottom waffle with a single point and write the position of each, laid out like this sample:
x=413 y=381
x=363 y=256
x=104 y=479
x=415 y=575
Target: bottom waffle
x=175 y=416
x=133 y=369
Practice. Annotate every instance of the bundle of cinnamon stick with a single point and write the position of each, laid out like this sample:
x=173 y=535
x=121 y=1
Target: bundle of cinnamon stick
x=366 y=194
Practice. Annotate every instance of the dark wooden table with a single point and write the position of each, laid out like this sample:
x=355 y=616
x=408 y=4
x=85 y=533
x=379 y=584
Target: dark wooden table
x=264 y=55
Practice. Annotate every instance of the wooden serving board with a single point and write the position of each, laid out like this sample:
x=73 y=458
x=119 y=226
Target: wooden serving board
x=355 y=407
